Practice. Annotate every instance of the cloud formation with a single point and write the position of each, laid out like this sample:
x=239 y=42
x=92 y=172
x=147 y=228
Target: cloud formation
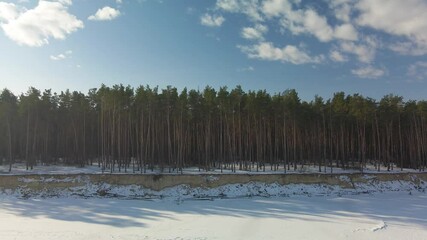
x=61 y=56
x=342 y=9
x=369 y=72
x=292 y=17
x=400 y=18
x=365 y=53
x=289 y=53
x=35 y=27
x=254 y=33
x=406 y=19
x=350 y=31
x=306 y=21
x=248 y=7
x=212 y=20
x=337 y=56
x=409 y=48
x=105 y=14
x=418 y=71
x=8 y=12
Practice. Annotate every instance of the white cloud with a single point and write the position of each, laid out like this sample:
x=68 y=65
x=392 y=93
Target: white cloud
x=62 y=56
x=65 y=2
x=36 y=26
x=342 y=9
x=337 y=56
x=365 y=52
x=318 y=26
x=409 y=48
x=254 y=33
x=418 y=71
x=212 y=20
x=290 y=53
x=344 y=23
x=8 y=12
x=401 y=18
x=228 y=5
x=343 y=13
x=119 y=1
x=105 y=14
x=369 y=72
x=276 y=8
x=308 y=21
x=58 y=57
x=346 y=32
x=248 y=7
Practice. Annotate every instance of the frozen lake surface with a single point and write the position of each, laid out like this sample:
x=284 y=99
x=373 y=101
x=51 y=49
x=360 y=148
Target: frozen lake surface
x=396 y=215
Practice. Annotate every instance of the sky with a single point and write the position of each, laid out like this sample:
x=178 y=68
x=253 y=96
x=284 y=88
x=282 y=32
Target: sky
x=370 y=47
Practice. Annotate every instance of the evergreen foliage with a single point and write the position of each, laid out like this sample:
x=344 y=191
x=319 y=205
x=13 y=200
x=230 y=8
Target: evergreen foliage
x=145 y=128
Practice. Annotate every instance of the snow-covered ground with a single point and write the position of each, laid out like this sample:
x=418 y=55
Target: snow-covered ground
x=85 y=188
x=370 y=209
x=20 y=169
x=392 y=215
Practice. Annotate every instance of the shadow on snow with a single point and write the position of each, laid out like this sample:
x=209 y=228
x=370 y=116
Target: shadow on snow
x=399 y=208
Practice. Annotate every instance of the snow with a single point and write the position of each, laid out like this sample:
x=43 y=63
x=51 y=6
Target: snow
x=392 y=215
x=85 y=188
x=380 y=226
x=368 y=210
x=20 y=169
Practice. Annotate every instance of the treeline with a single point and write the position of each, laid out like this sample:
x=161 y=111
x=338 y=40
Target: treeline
x=145 y=128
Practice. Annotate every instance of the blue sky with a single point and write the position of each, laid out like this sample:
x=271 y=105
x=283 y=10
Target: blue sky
x=372 y=47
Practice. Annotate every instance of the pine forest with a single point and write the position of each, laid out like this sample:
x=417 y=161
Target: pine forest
x=124 y=129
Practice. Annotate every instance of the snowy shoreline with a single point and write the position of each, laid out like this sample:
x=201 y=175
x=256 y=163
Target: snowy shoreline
x=96 y=206
x=206 y=187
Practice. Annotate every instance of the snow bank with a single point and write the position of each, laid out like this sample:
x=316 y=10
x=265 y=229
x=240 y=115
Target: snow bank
x=37 y=187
